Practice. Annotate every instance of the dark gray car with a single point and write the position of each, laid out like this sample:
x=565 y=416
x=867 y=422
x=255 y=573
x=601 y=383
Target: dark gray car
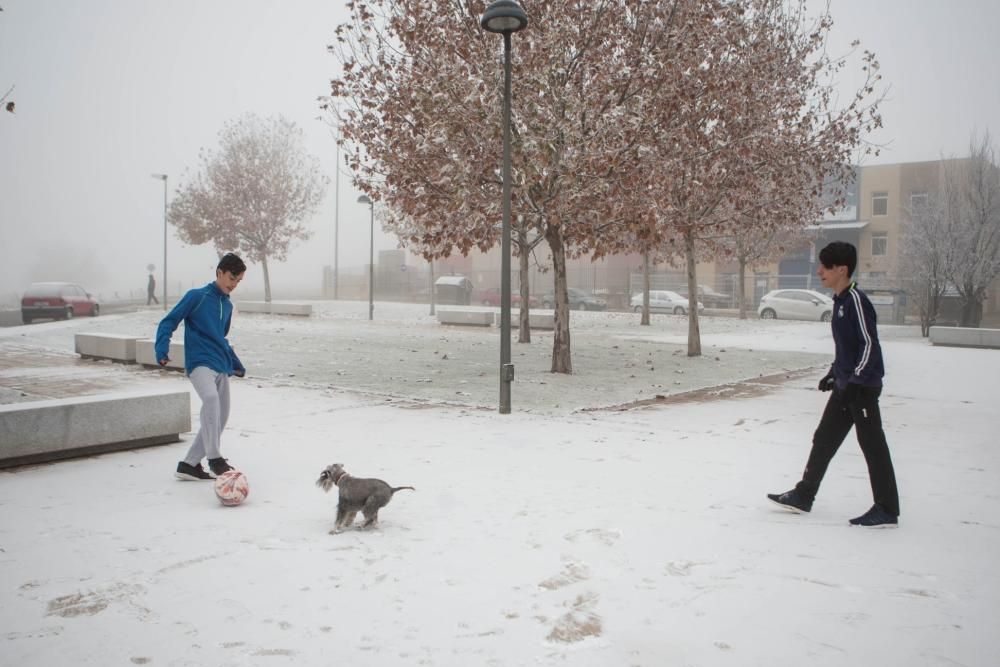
x=578 y=300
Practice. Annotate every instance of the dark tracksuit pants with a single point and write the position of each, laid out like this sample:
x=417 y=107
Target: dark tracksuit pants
x=838 y=418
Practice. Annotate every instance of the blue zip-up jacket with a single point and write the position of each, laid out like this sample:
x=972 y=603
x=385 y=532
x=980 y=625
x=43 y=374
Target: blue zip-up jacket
x=206 y=313
x=858 y=357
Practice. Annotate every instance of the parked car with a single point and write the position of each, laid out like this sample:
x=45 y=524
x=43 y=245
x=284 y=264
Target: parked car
x=710 y=297
x=491 y=297
x=578 y=300
x=795 y=304
x=664 y=301
x=57 y=301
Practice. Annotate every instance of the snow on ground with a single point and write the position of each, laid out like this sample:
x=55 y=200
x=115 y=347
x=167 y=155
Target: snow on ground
x=550 y=537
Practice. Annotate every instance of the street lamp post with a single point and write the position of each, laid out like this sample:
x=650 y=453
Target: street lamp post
x=336 y=223
x=164 y=178
x=505 y=17
x=363 y=199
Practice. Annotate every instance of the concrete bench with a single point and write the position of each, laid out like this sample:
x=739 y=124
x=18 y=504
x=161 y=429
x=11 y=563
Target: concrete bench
x=145 y=354
x=535 y=320
x=116 y=347
x=477 y=318
x=965 y=337
x=38 y=431
x=275 y=308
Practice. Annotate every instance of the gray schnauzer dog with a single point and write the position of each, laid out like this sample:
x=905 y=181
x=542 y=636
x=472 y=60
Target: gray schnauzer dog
x=357 y=494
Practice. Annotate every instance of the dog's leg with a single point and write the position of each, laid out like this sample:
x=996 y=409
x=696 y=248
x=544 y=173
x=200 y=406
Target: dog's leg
x=349 y=520
x=370 y=511
x=341 y=516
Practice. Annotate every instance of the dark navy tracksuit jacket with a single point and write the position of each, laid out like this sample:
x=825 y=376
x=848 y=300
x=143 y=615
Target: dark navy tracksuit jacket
x=858 y=356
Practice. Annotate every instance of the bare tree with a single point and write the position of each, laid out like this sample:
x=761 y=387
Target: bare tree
x=971 y=198
x=253 y=194
x=924 y=255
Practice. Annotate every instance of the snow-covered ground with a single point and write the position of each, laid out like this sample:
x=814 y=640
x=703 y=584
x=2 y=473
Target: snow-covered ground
x=551 y=536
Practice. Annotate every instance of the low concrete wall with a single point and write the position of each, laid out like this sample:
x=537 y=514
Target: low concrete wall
x=117 y=347
x=39 y=431
x=965 y=337
x=478 y=318
x=535 y=320
x=275 y=308
x=145 y=354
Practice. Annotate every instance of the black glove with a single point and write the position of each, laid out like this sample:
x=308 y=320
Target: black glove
x=828 y=382
x=851 y=392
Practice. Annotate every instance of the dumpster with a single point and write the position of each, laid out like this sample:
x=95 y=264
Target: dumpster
x=455 y=290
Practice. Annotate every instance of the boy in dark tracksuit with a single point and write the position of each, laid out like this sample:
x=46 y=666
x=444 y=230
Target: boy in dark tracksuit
x=855 y=379
x=209 y=360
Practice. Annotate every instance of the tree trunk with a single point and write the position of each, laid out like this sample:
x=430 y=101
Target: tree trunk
x=524 y=334
x=694 y=335
x=742 y=287
x=561 y=357
x=431 y=265
x=645 y=289
x=267 y=280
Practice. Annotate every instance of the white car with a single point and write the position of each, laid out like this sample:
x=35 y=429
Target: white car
x=664 y=301
x=795 y=304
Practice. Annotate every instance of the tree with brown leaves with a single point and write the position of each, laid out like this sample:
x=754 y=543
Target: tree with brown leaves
x=636 y=125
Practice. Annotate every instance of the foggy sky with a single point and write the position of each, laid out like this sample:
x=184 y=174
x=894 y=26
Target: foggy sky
x=111 y=91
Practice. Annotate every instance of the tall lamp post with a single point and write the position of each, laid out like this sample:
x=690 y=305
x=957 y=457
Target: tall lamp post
x=505 y=17
x=363 y=199
x=163 y=177
x=336 y=223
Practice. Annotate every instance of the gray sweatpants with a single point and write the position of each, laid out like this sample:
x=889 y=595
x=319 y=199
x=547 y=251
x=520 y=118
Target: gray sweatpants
x=213 y=390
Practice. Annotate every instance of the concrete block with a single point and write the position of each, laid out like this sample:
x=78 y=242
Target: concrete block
x=146 y=355
x=117 y=347
x=478 y=318
x=39 y=431
x=275 y=308
x=535 y=320
x=965 y=337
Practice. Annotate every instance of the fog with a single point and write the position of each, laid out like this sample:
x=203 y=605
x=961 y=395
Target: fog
x=111 y=91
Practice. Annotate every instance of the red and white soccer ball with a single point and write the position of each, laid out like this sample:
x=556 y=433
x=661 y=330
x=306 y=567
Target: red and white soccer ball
x=231 y=488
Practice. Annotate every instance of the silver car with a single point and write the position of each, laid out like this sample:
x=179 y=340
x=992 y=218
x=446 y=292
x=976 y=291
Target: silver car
x=795 y=304
x=664 y=301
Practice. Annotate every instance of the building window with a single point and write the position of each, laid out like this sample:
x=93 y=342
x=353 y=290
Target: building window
x=918 y=201
x=880 y=203
x=880 y=244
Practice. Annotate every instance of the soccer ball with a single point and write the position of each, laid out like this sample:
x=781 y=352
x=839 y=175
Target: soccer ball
x=231 y=488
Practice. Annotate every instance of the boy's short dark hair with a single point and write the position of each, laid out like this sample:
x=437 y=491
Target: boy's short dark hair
x=839 y=253
x=231 y=263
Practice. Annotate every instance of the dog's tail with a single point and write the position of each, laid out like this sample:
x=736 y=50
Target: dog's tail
x=394 y=489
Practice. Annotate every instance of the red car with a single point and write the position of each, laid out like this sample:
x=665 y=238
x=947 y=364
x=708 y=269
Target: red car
x=57 y=301
x=491 y=297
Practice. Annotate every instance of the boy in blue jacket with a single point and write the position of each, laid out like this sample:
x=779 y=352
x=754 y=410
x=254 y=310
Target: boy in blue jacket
x=208 y=360
x=856 y=383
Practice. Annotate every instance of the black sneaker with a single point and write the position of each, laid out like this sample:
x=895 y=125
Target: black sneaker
x=219 y=466
x=191 y=473
x=791 y=500
x=876 y=517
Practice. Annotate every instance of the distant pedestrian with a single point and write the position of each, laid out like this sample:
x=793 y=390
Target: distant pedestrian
x=209 y=360
x=856 y=383
x=151 y=291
